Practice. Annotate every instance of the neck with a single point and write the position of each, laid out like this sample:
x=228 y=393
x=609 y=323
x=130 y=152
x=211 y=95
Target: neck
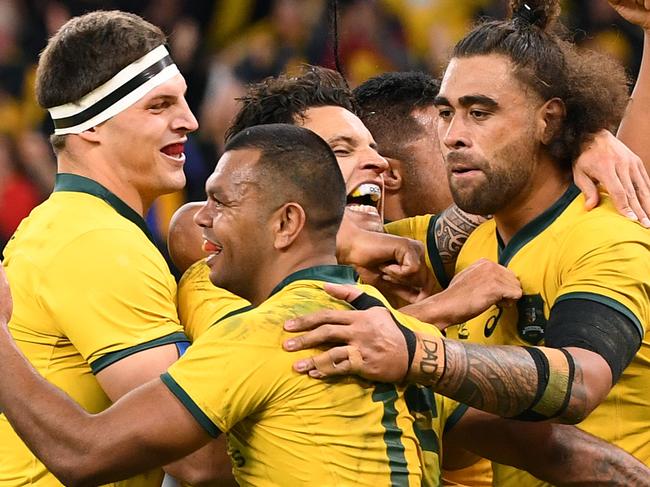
x=109 y=177
x=541 y=192
x=283 y=266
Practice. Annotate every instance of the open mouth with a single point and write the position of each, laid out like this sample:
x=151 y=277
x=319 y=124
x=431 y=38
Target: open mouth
x=211 y=248
x=365 y=198
x=175 y=151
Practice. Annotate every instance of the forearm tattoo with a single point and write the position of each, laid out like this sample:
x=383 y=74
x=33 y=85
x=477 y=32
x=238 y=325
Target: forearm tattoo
x=499 y=380
x=451 y=231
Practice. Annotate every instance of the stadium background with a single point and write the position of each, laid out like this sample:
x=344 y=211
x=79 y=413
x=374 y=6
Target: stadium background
x=221 y=45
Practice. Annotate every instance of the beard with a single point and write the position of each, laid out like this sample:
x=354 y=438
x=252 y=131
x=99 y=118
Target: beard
x=506 y=178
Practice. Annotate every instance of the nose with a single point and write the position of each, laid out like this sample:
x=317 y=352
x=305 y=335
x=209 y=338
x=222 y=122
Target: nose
x=454 y=133
x=203 y=218
x=374 y=162
x=185 y=121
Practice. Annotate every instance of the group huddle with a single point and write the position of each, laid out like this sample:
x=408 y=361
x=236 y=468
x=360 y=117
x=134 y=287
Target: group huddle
x=391 y=285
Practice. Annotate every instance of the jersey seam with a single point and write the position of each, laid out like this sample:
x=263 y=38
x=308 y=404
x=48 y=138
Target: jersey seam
x=206 y=423
x=113 y=357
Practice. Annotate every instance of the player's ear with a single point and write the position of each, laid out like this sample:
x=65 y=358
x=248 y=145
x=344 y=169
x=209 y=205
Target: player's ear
x=393 y=175
x=288 y=221
x=551 y=116
x=90 y=135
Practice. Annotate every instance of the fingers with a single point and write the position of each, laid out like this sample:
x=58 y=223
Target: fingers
x=641 y=181
x=319 y=336
x=333 y=362
x=314 y=320
x=345 y=292
x=589 y=189
x=626 y=174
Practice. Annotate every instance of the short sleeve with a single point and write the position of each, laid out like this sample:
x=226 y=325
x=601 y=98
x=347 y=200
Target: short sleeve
x=608 y=261
x=223 y=377
x=201 y=304
x=111 y=295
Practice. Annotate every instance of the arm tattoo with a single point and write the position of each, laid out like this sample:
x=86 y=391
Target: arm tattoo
x=451 y=230
x=501 y=380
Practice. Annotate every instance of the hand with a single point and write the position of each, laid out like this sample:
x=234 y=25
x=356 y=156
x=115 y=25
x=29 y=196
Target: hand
x=372 y=345
x=398 y=295
x=6 y=304
x=606 y=160
x=634 y=11
x=400 y=259
x=470 y=292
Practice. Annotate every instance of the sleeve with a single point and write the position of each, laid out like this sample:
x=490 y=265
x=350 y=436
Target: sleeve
x=610 y=265
x=111 y=296
x=201 y=304
x=224 y=377
x=422 y=228
x=450 y=412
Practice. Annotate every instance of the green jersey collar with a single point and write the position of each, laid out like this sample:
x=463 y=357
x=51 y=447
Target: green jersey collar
x=337 y=274
x=535 y=226
x=81 y=184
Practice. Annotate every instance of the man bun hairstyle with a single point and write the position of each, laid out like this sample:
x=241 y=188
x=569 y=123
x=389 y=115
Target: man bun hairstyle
x=535 y=13
x=593 y=87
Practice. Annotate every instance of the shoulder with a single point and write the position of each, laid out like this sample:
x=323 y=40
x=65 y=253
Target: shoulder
x=416 y=227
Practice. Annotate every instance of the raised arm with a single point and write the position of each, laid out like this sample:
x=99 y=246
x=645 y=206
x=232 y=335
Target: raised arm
x=635 y=125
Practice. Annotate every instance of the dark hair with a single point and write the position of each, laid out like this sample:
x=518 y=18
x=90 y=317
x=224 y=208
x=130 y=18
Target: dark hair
x=285 y=99
x=386 y=103
x=86 y=52
x=297 y=165
x=592 y=86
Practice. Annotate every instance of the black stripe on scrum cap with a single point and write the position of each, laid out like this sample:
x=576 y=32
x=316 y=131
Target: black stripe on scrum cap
x=115 y=96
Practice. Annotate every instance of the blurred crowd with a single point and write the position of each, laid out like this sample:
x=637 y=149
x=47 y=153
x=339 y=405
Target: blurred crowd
x=221 y=45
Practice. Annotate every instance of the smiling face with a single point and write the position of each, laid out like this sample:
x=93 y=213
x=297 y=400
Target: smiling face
x=234 y=221
x=489 y=128
x=357 y=156
x=145 y=142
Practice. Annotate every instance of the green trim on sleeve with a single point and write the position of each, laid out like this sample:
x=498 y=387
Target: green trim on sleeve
x=110 y=358
x=454 y=418
x=607 y=301
x=434 y=254
x=205 y=422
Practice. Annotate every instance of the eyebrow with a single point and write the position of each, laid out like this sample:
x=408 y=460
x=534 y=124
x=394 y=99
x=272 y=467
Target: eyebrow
x=349 y=140
x=341 y=138
x=469 y=100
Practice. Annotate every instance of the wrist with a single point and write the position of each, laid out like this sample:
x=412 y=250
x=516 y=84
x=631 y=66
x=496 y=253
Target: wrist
x=428 y=365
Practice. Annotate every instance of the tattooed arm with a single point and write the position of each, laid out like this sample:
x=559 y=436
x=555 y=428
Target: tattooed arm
x=505 y=380
x=563 y=455
x=451 y=231
x=529 y=383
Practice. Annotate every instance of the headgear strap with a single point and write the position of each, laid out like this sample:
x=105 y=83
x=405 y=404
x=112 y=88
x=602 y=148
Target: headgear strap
x=117 y=94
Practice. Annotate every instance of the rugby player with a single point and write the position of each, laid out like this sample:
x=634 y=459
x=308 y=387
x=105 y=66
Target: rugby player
x=271 y=217
x=582 y=321
x=94 y=299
